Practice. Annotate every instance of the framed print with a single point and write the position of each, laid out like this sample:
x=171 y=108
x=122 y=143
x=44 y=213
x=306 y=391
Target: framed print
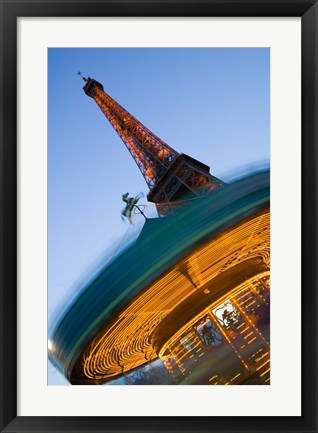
x=172 y=277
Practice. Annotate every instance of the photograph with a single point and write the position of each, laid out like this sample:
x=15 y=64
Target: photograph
x=159 y=257
x=158 y=216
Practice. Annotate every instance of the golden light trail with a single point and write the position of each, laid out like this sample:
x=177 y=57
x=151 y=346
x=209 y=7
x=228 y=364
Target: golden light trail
x=126 y=342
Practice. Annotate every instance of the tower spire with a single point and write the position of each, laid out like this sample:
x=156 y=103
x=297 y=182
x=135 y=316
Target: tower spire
x=168 y=174
x=82 y=76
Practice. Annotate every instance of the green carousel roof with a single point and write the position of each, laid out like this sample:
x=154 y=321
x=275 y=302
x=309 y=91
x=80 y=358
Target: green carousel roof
x=162 y=243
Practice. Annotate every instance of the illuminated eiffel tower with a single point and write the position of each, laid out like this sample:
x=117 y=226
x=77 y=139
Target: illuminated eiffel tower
x=170 y=175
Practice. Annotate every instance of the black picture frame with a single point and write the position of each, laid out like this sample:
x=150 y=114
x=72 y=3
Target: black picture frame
x=10 y=11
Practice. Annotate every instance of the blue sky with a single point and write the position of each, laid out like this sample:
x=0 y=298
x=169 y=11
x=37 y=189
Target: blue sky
x=210 y=103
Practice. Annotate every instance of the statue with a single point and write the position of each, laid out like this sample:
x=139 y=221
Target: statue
x=131 y=203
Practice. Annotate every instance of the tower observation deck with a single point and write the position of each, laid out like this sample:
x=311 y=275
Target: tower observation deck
x=170 y=175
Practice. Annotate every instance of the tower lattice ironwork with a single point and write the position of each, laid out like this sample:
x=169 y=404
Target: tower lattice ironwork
x=169 y=175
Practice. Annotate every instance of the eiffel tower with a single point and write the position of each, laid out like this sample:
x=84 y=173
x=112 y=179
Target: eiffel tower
x=170 y=176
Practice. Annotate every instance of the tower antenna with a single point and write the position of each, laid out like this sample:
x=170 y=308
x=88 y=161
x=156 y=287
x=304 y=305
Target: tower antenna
x=81 y=75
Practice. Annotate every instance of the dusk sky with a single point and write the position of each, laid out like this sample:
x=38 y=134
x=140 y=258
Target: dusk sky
x=210 y=103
